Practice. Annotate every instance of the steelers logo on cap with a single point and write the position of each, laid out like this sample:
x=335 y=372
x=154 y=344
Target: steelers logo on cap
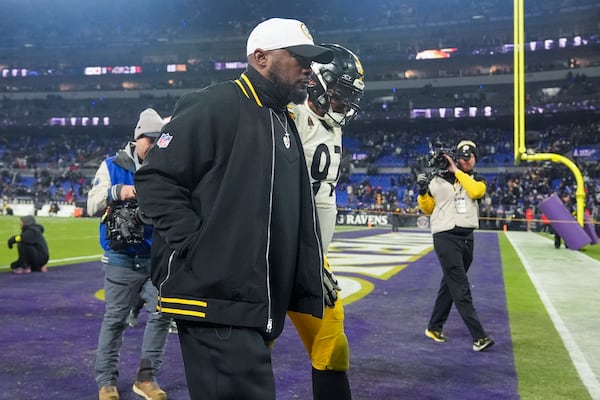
x=305 y=31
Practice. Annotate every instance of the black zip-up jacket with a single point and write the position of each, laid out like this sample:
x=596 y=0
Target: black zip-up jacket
x=207 y=184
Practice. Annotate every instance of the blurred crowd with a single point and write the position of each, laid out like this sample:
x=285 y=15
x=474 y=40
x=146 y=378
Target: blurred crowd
x=59 y=166
x=56 y=166
x=574 y=92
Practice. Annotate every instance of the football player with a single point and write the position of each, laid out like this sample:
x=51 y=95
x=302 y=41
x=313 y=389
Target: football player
x=334 y=92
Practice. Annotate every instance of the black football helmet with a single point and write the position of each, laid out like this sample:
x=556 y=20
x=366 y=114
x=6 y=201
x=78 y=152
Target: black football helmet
x=341 y=79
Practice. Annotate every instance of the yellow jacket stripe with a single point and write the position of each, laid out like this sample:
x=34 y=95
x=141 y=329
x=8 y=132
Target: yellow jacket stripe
x=176 y=311
x=173 y=307
x=237 y=82
x=250 y=87
x=198 y=303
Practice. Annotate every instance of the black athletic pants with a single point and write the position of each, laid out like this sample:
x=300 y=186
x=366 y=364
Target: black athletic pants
x=226 y=362
x=455 y=253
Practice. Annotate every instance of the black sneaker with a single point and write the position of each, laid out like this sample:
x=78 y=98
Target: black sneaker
x=438 y=336
x=483 y=344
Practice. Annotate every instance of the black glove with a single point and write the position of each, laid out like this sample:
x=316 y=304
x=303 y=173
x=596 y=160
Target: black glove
x=330 y=284
x=423 y=183
x=11 y=242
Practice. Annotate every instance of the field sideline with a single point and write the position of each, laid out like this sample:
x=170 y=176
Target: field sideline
x=70 y=240
x=545 y=345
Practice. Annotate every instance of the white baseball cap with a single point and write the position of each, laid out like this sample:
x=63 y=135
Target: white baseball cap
x=288 y=34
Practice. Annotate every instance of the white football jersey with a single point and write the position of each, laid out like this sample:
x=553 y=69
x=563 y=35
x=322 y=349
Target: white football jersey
x=323 y=151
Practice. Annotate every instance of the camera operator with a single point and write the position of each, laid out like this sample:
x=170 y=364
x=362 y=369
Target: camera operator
x=126 y=241
x=450 y=196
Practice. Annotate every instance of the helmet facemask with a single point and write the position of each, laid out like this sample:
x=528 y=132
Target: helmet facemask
x=317 y=90
x=343 y=100
x=336 y=88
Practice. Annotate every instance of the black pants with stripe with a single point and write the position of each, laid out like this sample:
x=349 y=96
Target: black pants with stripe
x=226 y=362
x=454 y=250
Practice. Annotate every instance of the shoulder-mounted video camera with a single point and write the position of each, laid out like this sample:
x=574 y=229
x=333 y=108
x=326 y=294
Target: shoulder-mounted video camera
x=124 y=224
x=436 y=156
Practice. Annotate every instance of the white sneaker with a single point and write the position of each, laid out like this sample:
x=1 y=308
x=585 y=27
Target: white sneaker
x=483 y=344
x=132 y=318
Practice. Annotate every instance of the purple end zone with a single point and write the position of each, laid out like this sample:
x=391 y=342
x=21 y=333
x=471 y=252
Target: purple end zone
x=564 y=223
x=51 y=322
x=390 y=356
x=49 y=335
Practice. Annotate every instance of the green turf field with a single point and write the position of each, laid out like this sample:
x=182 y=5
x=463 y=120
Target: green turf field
x=544 y=368
x=70 y=240
x=589 y=250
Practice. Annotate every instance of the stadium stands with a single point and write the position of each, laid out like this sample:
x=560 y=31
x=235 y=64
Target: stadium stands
x=71 y=85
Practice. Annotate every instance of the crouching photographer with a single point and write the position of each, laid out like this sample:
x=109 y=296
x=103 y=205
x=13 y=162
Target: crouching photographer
x=451 y=196
x=127 y=240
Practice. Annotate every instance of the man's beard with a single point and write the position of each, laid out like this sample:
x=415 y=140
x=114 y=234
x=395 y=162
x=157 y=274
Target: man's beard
x=467 y=169
x=289 y=92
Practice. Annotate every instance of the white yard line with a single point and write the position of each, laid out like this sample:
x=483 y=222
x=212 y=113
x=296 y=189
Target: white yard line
x=62 y=260
x=566 y=282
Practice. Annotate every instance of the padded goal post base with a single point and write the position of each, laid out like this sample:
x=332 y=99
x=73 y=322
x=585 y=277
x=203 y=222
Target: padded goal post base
x=565 y=224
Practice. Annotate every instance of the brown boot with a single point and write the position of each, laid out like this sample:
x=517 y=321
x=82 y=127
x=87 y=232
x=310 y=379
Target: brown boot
x=108 y=393
x=149 y=390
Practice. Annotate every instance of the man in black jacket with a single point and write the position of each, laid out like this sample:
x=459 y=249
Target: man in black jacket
x=32 y=247
x=236 y=241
